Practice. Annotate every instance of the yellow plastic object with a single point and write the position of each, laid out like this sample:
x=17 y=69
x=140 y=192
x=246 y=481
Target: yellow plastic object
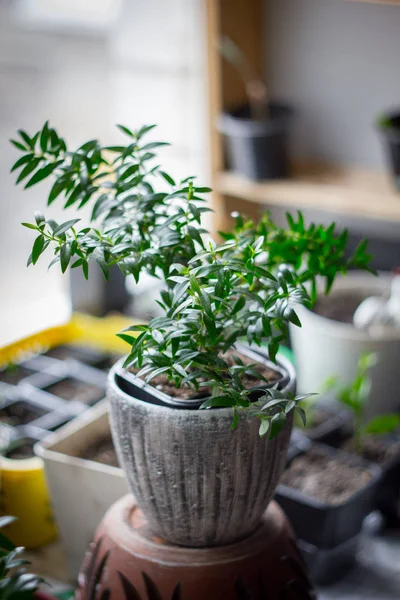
x=23 y=494
x=23 y=490
x=101 y=333
x=82 y=329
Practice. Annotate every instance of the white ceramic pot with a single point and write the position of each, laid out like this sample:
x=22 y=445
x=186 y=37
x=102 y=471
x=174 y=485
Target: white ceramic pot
x=198 y=482
x=324 y=347
x=81 y=490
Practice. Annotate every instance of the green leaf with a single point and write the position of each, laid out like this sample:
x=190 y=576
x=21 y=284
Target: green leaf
x=31 y=166
x=21 y=161
x=293 y=318
x=85 y=269
x=42 y=173
x=152 y=145
x=128 y=172
x=126 y=338
x=25 y=138
x=179 y=369
x=205 y=302
x=143 y=130
x=218 y=402
x=167 y=177
x=44 y=137
x=64 y=227
x=158 y=337
x=39 y=218
x=56 y=190
x=65 y=256
x=302 y=414
x=235 y=421
x=115 y=148
x=125 y=130
x=277 y=422
x=19 y=145
x=37 y=248
x=29 y=225
x=239 y=304
x=382 y=424
x=264 y=427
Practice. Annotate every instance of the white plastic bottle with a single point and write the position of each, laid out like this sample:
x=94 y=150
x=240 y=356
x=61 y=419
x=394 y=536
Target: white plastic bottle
x=378 y=311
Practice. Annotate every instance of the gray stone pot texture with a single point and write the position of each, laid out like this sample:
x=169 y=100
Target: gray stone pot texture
x=198 y=482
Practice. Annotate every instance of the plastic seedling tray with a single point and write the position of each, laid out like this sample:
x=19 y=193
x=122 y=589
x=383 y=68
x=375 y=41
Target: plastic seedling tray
x=19 y=412
x=7 y=435
x=14 y=374
x=72 y=389
x=325 y=525
x=21 y=449
x=88 y=356
x=50 y=390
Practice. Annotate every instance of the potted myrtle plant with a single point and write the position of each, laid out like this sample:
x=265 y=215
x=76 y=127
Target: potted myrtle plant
x=256 y=133
x=196 y=417
x=389 y=129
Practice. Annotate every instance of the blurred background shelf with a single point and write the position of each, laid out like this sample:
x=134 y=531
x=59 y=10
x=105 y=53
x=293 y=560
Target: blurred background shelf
x=368 y=195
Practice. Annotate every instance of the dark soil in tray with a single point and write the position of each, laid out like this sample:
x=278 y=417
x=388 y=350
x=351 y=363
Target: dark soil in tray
x=162 y=383
x=82 y=354
x=101 y=451
x=19 y=413
x=339 y=306
x=23 y=450
x=105 y=364
x=325 y=478
x=13 y=374
x=74 y=389
x=374 y=449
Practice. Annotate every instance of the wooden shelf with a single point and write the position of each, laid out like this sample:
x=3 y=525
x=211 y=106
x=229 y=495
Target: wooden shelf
x=393 y=2
x=367 y=195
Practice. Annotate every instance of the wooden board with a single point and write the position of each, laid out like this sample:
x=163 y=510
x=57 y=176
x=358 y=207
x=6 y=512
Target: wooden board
x=243 y=22
x=367 y=195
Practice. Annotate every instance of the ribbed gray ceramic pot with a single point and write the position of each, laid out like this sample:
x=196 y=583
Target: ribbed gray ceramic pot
x=198 y=482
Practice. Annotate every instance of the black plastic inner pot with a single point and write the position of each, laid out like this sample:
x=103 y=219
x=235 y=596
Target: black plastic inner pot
x=239 y=121
x=139 y=389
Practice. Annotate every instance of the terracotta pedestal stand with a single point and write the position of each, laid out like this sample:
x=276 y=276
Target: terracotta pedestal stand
x=126 y=562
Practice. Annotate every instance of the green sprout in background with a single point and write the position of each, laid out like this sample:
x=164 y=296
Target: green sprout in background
x=355 y=397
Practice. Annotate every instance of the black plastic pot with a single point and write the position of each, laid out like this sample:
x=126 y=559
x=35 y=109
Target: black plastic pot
x=389 y=126
x=337 y=422
x=387 y=497
x=257 y=149
x=326 y=565
x=325 y=525
x=139 y=389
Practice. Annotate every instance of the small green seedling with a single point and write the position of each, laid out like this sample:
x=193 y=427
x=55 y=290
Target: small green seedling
x=355 y=395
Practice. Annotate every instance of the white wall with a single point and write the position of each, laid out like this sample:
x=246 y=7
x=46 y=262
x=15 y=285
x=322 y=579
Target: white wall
x=338 y=63
x=145 y=66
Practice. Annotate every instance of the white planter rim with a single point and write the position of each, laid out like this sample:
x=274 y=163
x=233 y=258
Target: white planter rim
x=355 y=281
